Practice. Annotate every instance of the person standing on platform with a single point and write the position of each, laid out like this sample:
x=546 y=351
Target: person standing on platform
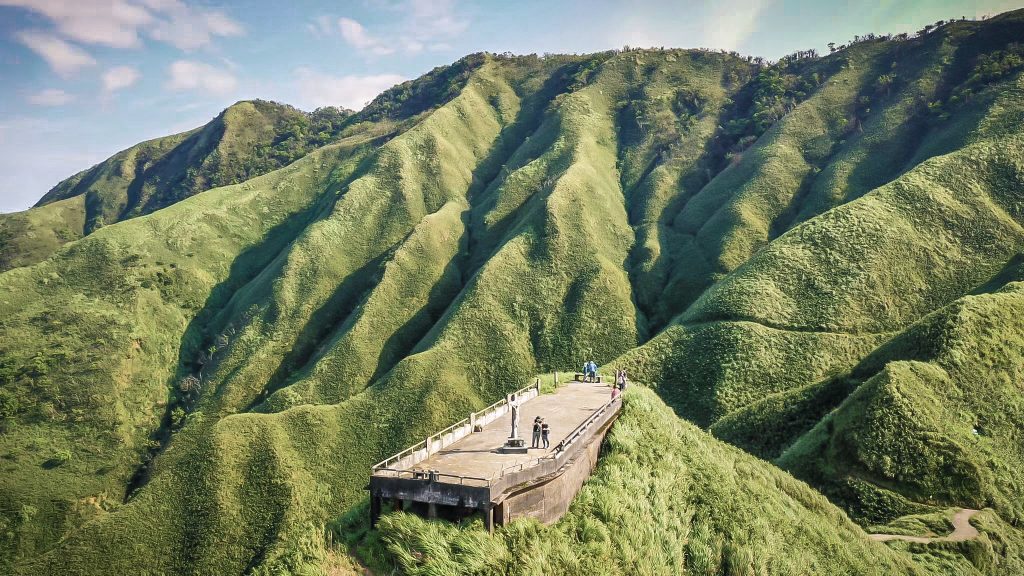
x=536 y=432
x=545 y=431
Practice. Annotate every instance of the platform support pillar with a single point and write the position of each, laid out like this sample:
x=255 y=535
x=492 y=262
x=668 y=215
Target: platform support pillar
x=374 y=510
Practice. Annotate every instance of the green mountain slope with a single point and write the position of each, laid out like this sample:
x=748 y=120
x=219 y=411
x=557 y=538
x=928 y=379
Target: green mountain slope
x=814 y=259
x=246 y=140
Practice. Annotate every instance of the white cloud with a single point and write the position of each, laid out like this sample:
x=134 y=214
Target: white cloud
x=64 y=58
x=50 y=97
x=731 y=22
x=423 y=25
x=430 y=19
x=119 y=23
x=189 y=28
x=119 y=77
x=109 y=22
x=317 y=89
x=192 y=75
x=357 y=37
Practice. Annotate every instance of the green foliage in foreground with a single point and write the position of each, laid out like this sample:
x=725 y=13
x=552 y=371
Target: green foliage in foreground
x=666 y=499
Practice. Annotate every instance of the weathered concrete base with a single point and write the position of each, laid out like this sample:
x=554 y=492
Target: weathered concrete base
x=514 y=446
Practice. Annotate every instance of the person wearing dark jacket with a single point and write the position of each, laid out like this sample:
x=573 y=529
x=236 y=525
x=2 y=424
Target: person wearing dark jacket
x=536 y=432
x=545 y=431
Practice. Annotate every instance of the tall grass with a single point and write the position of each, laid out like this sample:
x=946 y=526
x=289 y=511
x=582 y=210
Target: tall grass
x=666 y=498
x=232 y=364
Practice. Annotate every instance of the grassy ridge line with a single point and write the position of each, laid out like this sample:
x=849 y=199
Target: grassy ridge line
x=662 y=140
x=247 y=139
x=317 y=285
x=944 y=223
x=416 y=284
x=733 y=215
x=26 y=237
x=937 y=419
x=110 y=174
x=493 y=335
x=195 y=475
x=707 y=370
x=879 y=134
x=1000 y=114
x=888 y=257
x=666 y=498
x=108 y=314
x=205 y=480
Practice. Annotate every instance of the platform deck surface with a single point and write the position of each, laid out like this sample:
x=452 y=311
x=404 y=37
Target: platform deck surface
x=478 y=455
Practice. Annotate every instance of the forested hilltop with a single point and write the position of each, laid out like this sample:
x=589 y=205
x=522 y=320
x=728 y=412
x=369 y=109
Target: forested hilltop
x=814 y=268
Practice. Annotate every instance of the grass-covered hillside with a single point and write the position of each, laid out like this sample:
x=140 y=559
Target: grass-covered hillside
x=666 y=499
x=207 y=340
x=248 y=139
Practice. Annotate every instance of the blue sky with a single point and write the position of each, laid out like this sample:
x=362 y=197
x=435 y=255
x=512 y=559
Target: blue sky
x=83 y=79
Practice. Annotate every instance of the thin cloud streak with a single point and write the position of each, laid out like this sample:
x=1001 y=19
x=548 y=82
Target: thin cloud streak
x=731 y=22
x=317 y=89
x=121 y=23
x=51 y=97
x=192 y=75
x=65 y=59
x=119 y=78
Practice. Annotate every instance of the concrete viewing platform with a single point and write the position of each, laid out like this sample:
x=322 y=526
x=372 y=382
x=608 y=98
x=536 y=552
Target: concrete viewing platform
x=459 y=471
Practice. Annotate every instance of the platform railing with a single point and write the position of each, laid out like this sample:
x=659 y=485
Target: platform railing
x=560 y=450
x=436 y=442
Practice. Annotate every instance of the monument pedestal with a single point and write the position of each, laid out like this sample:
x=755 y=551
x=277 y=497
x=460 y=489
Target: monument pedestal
x=514 y=446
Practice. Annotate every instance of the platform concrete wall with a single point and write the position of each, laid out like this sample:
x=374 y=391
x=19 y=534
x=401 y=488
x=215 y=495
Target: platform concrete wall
x=549 y=499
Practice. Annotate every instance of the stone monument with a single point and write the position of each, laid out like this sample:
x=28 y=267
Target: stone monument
x=514 y=444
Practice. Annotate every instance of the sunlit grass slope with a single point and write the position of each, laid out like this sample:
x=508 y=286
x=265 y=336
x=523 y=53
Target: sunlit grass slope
x=785 y=253
x=939 y=416
x=86 y=368
x=32 y=235
x=666 y=498
x=248 y=139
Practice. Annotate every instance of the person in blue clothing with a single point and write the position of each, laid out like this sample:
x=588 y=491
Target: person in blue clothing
x=591 y=371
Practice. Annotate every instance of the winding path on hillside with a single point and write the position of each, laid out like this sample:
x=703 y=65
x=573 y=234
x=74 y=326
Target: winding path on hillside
x=962 y=530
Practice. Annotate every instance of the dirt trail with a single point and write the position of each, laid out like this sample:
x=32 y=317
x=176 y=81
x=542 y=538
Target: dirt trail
x=962 y=530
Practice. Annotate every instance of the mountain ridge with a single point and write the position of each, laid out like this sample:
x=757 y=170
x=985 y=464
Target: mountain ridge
x=781 y=251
